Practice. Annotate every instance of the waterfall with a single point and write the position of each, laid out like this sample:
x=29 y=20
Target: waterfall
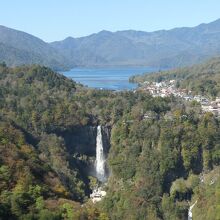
x=190 y=211
x=100 y=157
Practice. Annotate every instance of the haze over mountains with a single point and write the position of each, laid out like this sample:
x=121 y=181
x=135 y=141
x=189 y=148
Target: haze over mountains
x=164 y=48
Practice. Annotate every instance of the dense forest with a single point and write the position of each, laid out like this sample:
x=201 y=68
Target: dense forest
x=160 y=148
x=201 y=79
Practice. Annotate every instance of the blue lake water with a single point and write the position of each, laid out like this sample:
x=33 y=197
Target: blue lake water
x=107 y=78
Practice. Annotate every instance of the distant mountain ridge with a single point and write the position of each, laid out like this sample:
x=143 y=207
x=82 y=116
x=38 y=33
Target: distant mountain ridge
x=164 y=48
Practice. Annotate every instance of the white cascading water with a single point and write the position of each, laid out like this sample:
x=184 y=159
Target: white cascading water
x=100 y=157
x=190 y=215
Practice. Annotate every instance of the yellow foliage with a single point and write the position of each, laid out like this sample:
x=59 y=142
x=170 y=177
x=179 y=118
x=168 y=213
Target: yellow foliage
x=60 y=189
x=26 y=149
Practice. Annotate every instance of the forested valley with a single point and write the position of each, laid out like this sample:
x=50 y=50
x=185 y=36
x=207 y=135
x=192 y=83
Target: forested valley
x=164 y=154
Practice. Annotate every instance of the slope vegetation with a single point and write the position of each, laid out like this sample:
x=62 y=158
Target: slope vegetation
x=154 y=170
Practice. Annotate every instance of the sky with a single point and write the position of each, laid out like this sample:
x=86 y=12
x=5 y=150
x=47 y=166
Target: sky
x=53 y=20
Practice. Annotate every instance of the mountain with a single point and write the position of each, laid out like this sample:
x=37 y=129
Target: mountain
x=17 y=48
x=164 y=48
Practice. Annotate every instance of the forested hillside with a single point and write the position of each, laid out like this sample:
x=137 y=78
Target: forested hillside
x=154 y=170
x=40 y=179
x=19 y=48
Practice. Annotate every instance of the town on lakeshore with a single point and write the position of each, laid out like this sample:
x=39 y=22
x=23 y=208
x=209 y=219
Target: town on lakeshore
x=168 y=88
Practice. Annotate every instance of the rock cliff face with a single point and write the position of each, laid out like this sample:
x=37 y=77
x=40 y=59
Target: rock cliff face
x=82 y=140
x=106 y=136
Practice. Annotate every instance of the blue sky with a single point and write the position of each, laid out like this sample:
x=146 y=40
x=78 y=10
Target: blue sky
x=57 y=19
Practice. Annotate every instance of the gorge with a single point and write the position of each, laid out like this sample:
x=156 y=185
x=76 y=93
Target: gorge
x=155 y=167
x=110 y=110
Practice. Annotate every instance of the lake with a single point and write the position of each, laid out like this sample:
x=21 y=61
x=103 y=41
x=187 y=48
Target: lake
x=107 y=78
